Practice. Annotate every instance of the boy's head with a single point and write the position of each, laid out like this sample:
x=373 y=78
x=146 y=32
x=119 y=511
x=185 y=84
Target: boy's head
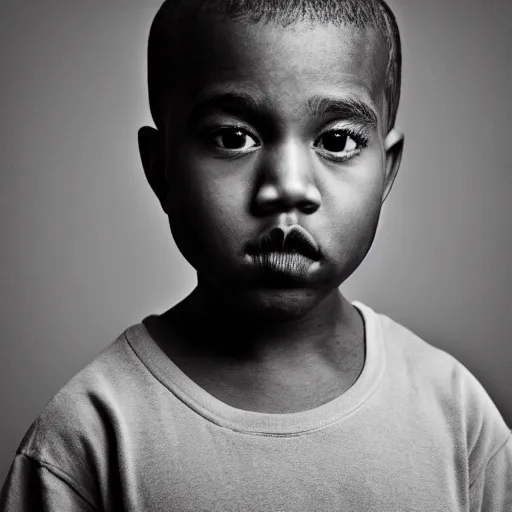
x=275 y=143
x=175 y=19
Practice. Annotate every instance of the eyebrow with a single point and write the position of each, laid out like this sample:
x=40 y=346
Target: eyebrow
x=350 y=109
x=244 y=104
x=235 y=103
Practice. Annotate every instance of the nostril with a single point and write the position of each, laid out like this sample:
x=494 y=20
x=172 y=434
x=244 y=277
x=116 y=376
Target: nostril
x=283 y=204
x=309 y=207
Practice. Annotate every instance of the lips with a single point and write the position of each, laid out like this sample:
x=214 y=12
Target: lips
x=287 y=240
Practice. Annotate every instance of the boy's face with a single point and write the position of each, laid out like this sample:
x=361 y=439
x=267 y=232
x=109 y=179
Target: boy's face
x=273 y=127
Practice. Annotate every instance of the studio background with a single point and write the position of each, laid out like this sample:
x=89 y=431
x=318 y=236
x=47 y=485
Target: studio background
x=85 y=250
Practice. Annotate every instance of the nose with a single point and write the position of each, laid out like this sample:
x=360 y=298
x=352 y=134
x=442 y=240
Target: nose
x=286 y=182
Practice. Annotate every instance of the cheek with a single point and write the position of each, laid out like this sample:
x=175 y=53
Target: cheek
x=354 y=233
x=214 y=185
x=216 y=201
x=354 y=201
x=207 y=211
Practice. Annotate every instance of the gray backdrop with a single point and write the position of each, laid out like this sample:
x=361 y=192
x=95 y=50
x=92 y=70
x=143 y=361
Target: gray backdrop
x=85 y=249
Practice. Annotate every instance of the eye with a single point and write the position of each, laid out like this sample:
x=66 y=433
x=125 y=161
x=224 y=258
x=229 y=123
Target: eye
x=233 y=139
x=340 y=144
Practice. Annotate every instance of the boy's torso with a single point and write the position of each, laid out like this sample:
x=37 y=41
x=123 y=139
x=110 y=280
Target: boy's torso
x=133 y=439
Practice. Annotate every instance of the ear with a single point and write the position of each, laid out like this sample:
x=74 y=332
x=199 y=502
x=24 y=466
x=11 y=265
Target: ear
x=394 y=146
x=152 y=154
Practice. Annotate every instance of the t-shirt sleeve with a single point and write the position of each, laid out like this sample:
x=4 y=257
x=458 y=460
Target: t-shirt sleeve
x=38 y=487
x=491 y=490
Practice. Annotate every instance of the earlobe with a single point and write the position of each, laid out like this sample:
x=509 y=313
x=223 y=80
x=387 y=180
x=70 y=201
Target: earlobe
x=152 y=155
x=393 y=146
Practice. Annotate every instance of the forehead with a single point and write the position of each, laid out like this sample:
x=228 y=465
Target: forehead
x=284 y=66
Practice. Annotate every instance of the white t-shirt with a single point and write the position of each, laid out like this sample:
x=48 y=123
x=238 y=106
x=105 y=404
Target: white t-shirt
x=131 y=432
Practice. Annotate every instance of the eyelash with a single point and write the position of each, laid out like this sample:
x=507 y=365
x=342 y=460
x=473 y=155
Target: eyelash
x=358 y=136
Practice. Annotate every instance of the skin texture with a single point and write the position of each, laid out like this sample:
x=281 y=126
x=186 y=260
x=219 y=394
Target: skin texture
x=251 y=338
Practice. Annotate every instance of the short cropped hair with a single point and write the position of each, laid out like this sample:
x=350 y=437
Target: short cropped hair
x=175 y=14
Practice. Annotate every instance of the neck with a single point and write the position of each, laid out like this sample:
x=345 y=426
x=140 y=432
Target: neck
x=263 y=364
x=223 y=330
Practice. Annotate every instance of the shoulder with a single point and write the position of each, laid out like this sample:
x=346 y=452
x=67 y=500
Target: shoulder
x=433 y=368
x=74 y=428
x=414 y=358
x=449 y=392
x=418 y=356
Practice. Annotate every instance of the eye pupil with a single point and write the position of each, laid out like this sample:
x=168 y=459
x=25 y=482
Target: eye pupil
x=233 y=139
x=335 y=141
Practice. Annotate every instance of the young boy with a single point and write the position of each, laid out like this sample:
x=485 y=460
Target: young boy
x=264 y=389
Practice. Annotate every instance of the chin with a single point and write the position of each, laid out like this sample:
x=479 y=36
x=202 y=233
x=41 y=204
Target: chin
x=280 y=304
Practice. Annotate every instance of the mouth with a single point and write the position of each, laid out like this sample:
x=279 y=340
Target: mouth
x=286 y=240
x=287 y=250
